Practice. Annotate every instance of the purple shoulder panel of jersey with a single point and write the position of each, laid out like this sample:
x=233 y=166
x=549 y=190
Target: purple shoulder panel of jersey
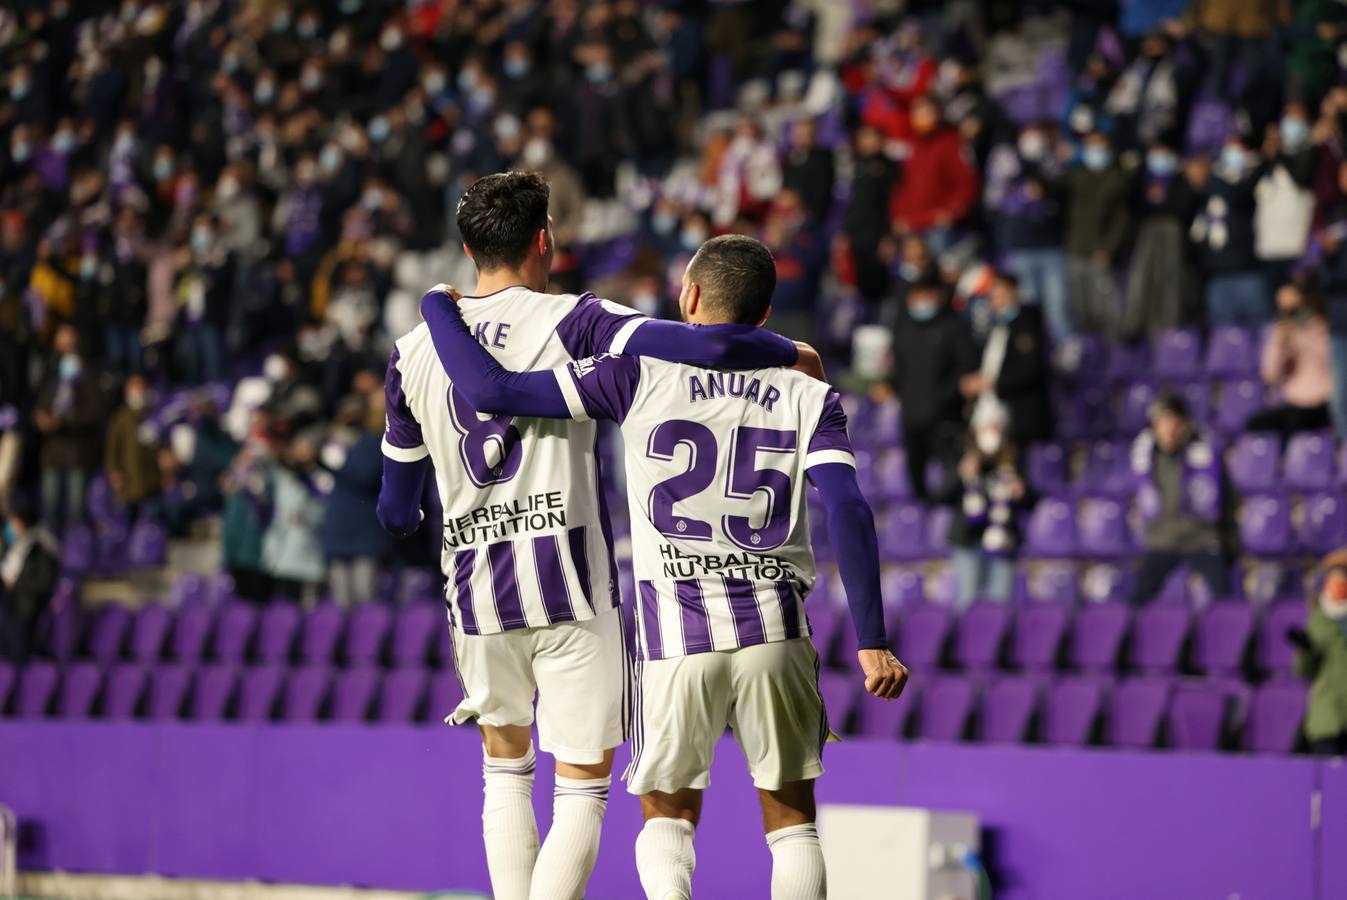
x=831 y=431
x=590 y=327
x=606 y=384
x=403 y=431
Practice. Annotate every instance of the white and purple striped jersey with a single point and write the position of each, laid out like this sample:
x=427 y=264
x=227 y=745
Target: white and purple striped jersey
x=526 y=533
x=716 y=465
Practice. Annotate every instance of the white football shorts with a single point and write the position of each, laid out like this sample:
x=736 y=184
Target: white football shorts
x=579 y=671
x=767 y=694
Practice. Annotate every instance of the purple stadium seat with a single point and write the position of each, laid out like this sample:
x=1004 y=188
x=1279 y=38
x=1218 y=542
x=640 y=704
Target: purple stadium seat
x=78 y=552
x=107 y=635
x=170 y=684
x=903 y=532
x=1275 y=714
x=845 y=645
x=902 y=588
x=1322 y=525
x=921 y=636
x=215 y=687
x=1133 y=408
x=1046 y=468
x=413 y=629
x=1265 y=525
x=112 y=538
x=1098 y=636
x=276 y=631
x=61 y=620
x=1222 y=637
x=190 y=631
x=1053 y=583
x=1276 y=655
x=189 y=590
x=125 y=688
x=37 y=689
x=839 y=699
x=353 y=694
x=1237 y=401
x=6 y=684
x=1308 y=465
x=445 y=695
x=944 y=707
x=367 y=633
x=220 y=589
x=402 y=693
x=320 y=632
x=1102 y=530
x=234 y=632
x=148 y=545
x=891 y=474
x=101 y=501
x=1008 y=707
x=1197 y=394
x=1199 y=715
x=1252 y=462
x=826 y=621
x=305 y=690
x=937 y=531
x=942 y=587
x=1051 y=533
x=259 y=692
x=980 y=634
x=79 y=690
x=1178 y=355
x=1135 y=713
x=1232 y=352
x=1037 y=638
x=1126 y=362
x=1108 y=469
x=886 y=719
x=149 y=633
x=1158 y=636
x=1072 y=709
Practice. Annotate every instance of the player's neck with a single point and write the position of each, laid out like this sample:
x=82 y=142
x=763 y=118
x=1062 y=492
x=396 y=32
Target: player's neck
x=500 y=279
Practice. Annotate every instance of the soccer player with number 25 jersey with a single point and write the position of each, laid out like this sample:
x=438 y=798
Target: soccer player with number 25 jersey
x=526 y=539
x=716 y=467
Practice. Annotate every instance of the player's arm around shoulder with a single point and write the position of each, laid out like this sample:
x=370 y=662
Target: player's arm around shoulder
x=809 y=362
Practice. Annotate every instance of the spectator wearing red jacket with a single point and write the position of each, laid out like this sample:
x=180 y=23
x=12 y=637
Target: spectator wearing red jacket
x=938 y=186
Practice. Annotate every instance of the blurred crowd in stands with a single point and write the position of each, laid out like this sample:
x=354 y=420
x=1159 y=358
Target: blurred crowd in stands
x=244 y=200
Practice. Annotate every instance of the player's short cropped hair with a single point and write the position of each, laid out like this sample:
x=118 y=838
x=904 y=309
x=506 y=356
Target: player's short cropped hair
x=499 y=216
x=737 y=276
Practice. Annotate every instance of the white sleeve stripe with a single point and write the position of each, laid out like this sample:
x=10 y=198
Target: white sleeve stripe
x=619 y=342
x=819 y=457
x=404 y=454
x=566 y=382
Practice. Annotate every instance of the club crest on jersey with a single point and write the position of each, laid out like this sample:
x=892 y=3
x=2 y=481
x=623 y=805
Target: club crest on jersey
x=583 y=367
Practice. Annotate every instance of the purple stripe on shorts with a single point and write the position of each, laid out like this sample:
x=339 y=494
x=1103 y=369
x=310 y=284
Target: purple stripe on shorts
x=580 y=559
x=463 y=563
x=505 y=585
x=552 y=579
x=790 y=609
x=654 y=645
x=692 y=610
x=748 y=627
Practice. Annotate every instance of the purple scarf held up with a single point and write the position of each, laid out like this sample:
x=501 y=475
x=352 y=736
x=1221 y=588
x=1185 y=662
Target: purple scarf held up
x=1201 y=479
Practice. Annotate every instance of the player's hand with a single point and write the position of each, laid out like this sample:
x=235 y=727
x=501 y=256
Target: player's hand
x=810 y=362
x=885 y=676
x=450 y=290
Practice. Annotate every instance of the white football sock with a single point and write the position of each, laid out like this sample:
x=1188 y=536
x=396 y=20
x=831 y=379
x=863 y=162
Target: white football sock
x=508 y=827
x=572 y=844
x=797 y=863
x=665 y=859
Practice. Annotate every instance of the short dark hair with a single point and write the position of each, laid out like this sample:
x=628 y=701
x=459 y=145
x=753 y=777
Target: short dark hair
x=1009 y=279
x=499 y=215
x=737 y=276
x=1171 y=404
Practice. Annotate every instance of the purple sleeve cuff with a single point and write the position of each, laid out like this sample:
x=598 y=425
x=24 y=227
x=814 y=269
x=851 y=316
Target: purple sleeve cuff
x=402 y=435
x=829 y=442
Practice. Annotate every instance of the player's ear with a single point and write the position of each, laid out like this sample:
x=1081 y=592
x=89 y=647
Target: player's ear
x=467 y=251
x=767 y=314
x=694 y=293
x=540 y=242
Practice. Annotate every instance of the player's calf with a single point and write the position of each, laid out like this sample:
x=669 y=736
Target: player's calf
x=509 y=830
x=788 y=815
x=567 y=856
x=665 y=858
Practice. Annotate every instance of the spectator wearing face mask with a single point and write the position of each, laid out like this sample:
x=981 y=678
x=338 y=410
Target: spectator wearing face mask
x=809 y=169
x=1321 y=658
x=866 y=237
x=801 y=254
x=1025 y=194
x=1098 y=219
x=1161 y=285
x=984 y=535
x=353 y=542
x=1295 y=366
x=932 y=350
x=1331 y=244
x=938 y=186
x=131 y=454
x=1183 y=500
x=292 y=548
x=68 y=415
x=1224 y=233
x=203 y=292
x=1014 y=372
x=1283 y=196
x=29 y=567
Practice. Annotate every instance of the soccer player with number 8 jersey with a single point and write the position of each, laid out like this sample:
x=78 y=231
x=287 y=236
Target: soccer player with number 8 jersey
x=527 y=547
x=716 y=467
